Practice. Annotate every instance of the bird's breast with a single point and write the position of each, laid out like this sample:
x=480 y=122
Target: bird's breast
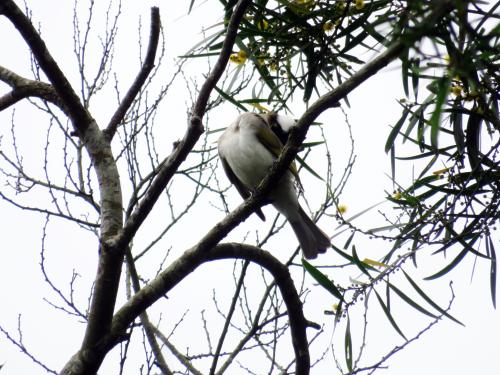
x=247 y=157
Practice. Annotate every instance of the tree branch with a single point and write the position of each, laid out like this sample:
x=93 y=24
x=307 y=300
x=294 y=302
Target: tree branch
x=85 y=361
x=193 y=133
x=149 y=328
x=181 y=268
x=88 y=360
x=80 y=116
x=23 y=88
x=99 y=150
x=330 y=100
x=146 y=68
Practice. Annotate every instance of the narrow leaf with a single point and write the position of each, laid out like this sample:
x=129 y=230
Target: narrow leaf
x=349 y=240
x=348 y=346
x=405 y=67
x=351 y=218
x=393 y=165
x=396 y=129
x=389 y=316
x=191 y=6
x=415 y=77
x=308 y=168
x=429 y=300
x=493 y=270
x=458 y=131
x=230 y=99
x=322 y=279
x=450 y=266
x=409 y=301
x=435 y=121
x=360 y=264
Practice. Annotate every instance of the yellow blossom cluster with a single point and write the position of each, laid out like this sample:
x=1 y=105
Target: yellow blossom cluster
x=359 y=4
x=306 y=3
x=238 y=58
x=328 y=26
x=456 y=90
x=263 y=24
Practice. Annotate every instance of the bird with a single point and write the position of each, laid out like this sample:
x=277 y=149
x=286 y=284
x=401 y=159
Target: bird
x=247 y=150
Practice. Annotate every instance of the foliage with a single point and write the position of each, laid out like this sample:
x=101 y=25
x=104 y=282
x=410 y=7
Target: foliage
x=111 y=175
x=450 y=116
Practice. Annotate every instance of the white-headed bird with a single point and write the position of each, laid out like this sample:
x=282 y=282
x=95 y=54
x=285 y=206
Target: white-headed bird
x=247 y=149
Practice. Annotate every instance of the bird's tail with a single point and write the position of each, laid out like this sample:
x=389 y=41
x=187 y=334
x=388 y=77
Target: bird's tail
x=312 y=240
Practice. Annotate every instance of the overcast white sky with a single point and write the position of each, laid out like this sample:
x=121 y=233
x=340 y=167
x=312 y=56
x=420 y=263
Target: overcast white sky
x=446 y=349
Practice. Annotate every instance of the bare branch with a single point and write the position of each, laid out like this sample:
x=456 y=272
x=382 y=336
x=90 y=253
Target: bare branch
x=20 y=345
x=149 y=328
x=193 y=133
x=146 y=68
x=81 y=118
x=181 y=268
x=181 y=357
x=24 y=88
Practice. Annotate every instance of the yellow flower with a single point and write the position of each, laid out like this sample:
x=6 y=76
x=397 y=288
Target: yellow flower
x=341 y=4
x=440 y=171
x=328 y=26
x=242 y=55
x=359 y=4
x=260 y=107
x=342 y=208
x=234 y=58
x=262 y=24
x=306 y=5
x=456 y=90
x=397 y=195
x=238 y=58
x=374 y=263
x=273 y=66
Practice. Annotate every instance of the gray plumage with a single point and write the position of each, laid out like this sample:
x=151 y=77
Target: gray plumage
x=247 y=149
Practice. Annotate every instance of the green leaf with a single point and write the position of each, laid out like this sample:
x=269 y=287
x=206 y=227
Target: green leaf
x=349 y=240
x=393 y=165
x=388 y=315
x=442 y=93
x=405 y=67
x=396 y=129
x=322 y=279
x=424 y=155
x=472 y=139
x=351 y=218
x=343 y=254
x=229 y=98
x=429 y=300
x=362 y=266
x=190 y=6
x=308 y=168
x=409 y=301
x=450 y=266
x=417 y=115
x=348 y=346
x=415 y=77
x=456 y=122
x=490 y=249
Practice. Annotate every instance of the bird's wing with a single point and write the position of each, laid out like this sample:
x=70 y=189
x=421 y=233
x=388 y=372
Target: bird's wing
x=244 y=192
x=271 y=141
